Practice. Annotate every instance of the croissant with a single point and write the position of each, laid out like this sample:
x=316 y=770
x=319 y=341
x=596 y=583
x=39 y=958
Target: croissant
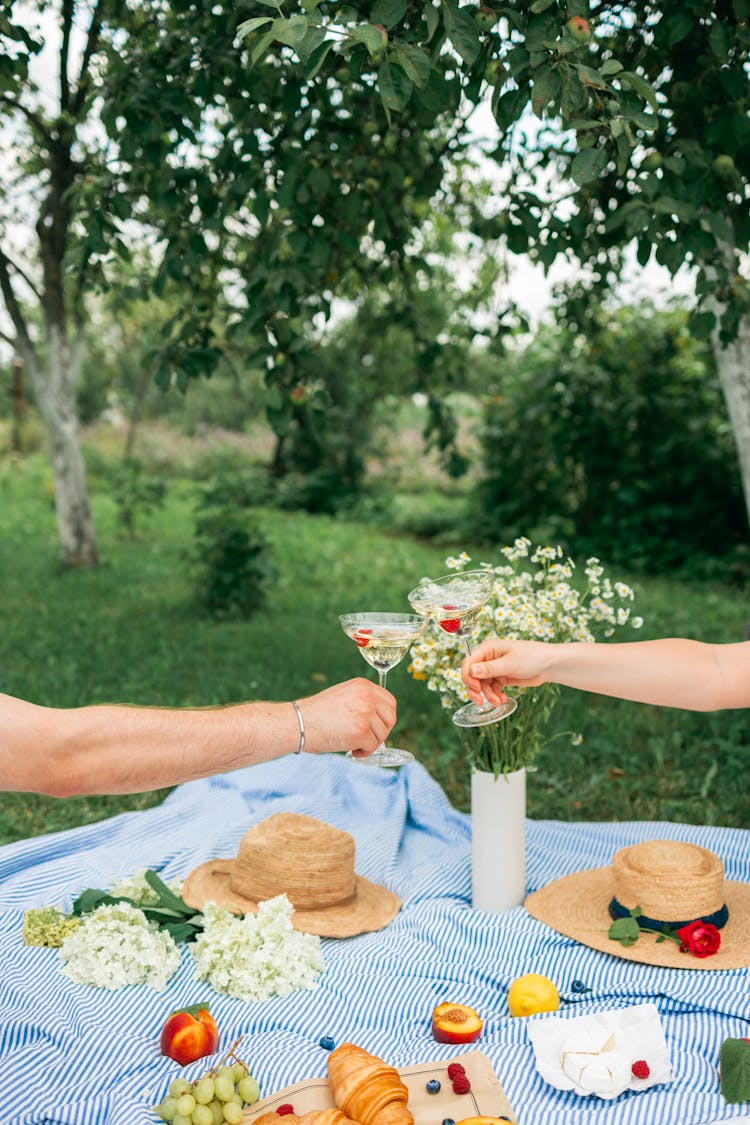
x=326 y=1117
x=366 y=1088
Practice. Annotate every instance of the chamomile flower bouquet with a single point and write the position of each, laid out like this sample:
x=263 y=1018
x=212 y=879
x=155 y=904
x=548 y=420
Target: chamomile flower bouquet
x=535 y=597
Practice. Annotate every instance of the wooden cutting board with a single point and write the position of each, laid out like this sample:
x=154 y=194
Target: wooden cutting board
x=486 y=1098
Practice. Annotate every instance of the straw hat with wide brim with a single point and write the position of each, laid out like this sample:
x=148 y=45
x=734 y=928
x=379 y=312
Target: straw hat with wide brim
x=670 y=881
x=309 y=861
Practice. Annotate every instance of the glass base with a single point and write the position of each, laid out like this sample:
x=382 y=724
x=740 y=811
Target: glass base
x=384 y=756
x=473 y=716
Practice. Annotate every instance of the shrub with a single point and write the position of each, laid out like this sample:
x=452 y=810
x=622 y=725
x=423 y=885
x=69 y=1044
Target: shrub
x=617 y=442
x=232 y=562
x=136 y=494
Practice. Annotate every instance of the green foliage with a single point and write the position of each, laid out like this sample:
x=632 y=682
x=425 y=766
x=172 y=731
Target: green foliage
x=137 y=494
x=734 y=1064
x=231 y=558
x=167 y=910
x=610 y=89
x=615 y=441
x=235 y=488
x=412 y=330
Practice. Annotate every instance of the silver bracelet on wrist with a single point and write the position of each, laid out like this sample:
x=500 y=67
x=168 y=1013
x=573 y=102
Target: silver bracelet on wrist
x=301 y=721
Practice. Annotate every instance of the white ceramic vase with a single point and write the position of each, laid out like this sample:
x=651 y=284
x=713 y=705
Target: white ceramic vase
x=498 y=833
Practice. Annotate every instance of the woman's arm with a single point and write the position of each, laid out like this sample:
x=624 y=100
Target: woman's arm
x=669 y=672
x=122 y=749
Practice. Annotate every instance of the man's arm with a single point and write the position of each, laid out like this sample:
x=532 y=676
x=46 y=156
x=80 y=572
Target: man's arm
x=122 y=749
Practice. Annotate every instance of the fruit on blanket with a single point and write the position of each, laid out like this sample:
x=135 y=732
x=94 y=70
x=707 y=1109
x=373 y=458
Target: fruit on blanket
x=189 y=1034
x=215 y=1098
x=461 y=1084
x=482 y=1120
x=532 y=993
x=455 y=1023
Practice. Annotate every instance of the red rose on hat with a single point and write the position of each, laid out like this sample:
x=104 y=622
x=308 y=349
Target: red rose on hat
x=699 y=938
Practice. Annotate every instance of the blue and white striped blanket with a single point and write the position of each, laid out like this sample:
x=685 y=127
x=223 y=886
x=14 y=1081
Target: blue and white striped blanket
x=74 y=1055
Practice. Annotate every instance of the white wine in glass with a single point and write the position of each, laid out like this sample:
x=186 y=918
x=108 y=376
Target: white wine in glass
x=454 y=602
x=384 y=640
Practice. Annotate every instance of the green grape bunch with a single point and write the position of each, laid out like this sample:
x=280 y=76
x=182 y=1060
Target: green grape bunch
x=218 y=1097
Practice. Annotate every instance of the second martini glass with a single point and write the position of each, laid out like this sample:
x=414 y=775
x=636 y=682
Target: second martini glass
x=383 y=639
x=454 y=602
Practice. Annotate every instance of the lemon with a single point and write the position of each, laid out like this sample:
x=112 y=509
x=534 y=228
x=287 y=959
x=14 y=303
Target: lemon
x=532 y=993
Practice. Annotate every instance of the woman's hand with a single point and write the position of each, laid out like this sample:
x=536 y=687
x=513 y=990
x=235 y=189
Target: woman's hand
x=496 y=664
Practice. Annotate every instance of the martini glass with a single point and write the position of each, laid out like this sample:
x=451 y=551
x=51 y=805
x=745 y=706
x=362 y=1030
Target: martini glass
x=454 y=602
x=383 y=639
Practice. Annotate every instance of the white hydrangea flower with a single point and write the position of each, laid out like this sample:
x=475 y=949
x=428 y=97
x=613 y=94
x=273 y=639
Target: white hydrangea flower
x=135 y=886
x=258 y=956
x=116 y=946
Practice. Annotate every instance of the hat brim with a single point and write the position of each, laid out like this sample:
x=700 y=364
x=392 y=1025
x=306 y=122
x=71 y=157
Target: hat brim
x=578 y=907
x=371 y=908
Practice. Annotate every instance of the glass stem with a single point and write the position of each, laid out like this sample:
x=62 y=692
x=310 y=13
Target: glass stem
x=467 y=650
x=381 y=680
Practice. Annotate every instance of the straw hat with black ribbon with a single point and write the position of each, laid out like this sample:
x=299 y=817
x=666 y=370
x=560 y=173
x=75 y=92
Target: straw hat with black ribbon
x=673 y=884
x=309 y=861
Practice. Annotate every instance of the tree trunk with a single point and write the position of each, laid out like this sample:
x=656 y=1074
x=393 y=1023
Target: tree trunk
x=19 y=408
x=55 y=396
x=733 y=365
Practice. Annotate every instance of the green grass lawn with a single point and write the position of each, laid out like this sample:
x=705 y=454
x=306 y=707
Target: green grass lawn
x=128 y=631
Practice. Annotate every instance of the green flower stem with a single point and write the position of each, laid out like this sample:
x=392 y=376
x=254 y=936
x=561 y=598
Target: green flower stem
x=513 y=743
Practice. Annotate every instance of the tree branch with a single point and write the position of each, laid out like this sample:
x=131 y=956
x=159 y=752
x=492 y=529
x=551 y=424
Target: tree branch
x=13 y=307
x=92 y=41
x=22 y=274
x=30 y=115
x=67 y=21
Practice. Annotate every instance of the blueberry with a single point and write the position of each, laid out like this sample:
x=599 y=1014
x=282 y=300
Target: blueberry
x=579 y=986
x=327 y=1043
x=433 y=1086
x=447 y=1121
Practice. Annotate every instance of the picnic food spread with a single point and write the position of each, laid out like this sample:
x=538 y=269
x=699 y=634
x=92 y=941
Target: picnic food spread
x=600 y=1055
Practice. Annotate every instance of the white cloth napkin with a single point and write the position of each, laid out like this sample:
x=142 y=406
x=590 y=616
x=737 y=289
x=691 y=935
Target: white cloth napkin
x=594 y=1054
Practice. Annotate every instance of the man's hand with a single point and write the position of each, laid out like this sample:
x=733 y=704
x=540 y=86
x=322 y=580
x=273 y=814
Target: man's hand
x=355 y=715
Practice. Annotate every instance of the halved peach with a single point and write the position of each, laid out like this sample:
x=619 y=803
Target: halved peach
x=455 y=1023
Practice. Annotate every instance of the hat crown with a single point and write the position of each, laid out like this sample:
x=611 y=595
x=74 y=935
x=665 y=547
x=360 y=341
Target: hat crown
x=306 y=859
x=669 y=879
